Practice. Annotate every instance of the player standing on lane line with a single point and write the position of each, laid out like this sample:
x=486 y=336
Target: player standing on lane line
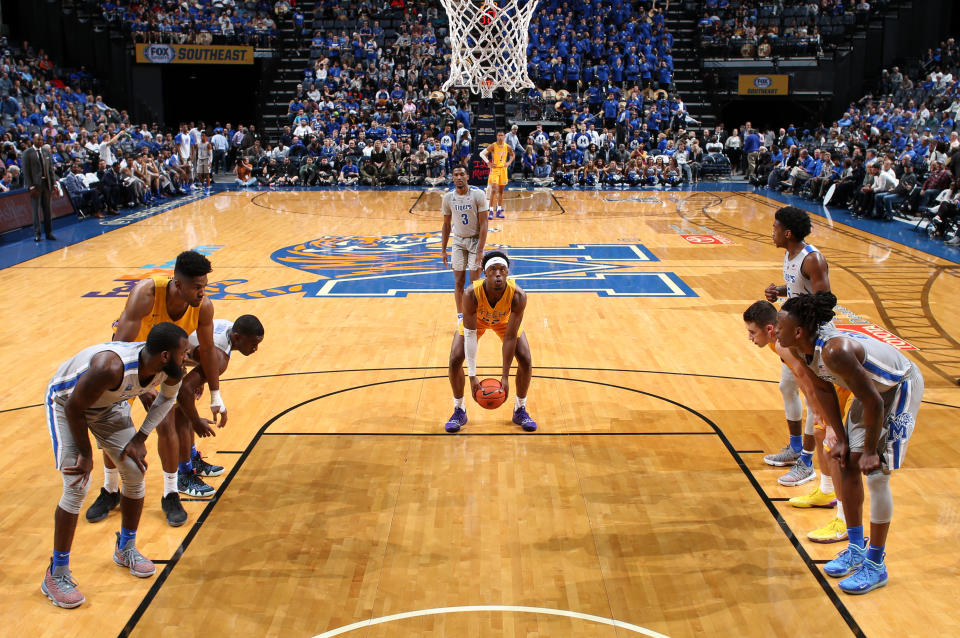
x=887 y=389
x=91 y=392
x=805 y=271
x=244 y=336
x=465 y=215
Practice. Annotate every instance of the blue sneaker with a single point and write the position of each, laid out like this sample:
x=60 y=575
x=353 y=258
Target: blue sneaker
x=457 y=421
x=203 y=468
x=500 y=212
x=866 y=578
x=521 y=418
x=192 y=485
x=846 y=561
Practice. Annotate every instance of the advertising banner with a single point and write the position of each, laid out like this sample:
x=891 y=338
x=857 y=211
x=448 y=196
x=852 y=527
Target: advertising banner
x=764 y=84
x=193 y=54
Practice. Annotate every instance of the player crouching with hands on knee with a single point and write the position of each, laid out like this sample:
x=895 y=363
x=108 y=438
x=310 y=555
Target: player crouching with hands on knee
x=91 y=392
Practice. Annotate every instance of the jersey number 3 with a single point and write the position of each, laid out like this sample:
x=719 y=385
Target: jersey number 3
x=465 y=218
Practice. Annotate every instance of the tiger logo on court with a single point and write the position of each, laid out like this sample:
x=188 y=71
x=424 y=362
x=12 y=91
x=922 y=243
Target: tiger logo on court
x=362 y=256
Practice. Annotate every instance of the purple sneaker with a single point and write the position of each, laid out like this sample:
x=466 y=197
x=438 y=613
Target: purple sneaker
x=521 y=418
x=490 y=214
x=457 y=421
x=500 y=212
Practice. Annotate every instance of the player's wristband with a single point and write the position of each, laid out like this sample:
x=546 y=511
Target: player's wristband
x=217 y=402
x=470 y=350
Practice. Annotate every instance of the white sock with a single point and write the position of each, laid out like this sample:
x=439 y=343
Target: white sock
x=169 y=483
x=111 y=479
x=840 y=512
x=458 y=403
x=826 y=483
x=521 y=402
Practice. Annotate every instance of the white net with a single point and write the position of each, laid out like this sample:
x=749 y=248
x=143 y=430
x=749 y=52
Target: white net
x=489 y=44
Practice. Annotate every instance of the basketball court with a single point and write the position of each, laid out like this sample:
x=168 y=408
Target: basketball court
x=641 y=506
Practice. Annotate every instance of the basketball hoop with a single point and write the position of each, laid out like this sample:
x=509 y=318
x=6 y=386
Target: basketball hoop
x=489 y=42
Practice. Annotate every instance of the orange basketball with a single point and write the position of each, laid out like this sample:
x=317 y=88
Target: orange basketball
x=490 y=394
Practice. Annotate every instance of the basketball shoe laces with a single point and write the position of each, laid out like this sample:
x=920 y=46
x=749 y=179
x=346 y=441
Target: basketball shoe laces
x=196 y=483
x=200 y=464
x=63 y=581
x=131 y=555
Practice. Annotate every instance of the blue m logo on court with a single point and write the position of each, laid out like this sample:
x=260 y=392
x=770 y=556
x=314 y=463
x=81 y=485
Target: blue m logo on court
x=397 y=265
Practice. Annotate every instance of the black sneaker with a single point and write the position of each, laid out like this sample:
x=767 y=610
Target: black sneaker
x=192 y=485
x=176 y=516
x=101 y=507
x=203 y=468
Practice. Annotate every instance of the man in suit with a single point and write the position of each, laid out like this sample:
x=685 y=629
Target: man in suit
x=113 y=188
x=38 y=177
x=81 y=195
x=102 y=189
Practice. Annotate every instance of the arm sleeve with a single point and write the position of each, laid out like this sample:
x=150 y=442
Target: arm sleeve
x=159 y=408
x=470 y=350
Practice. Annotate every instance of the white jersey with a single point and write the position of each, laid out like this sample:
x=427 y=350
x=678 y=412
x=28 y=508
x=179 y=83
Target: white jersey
x=221 y=337
x=885 y=365
x=465 y=210
x=797 y=284
x=106 y=154
x=183 y=141
x=68 y=375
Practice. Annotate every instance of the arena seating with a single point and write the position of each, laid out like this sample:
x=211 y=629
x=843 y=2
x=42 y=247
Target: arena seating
x=369 y=70
x=218 y=22
x=911 y=120
x=795 y=28
x=370 y=85
x=39 y=98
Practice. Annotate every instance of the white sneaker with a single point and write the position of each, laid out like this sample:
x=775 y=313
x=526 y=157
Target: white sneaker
x=799 y=474
x=783 y=458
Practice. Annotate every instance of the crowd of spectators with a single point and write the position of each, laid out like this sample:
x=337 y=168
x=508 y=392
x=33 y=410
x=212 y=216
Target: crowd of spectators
x=571 y=45
x=370 y=113
x=896 y=151
x=375 y=76
x=608 y=136
x=786 y=28
x=197 y=22
x=102 y=160
x=574 y=44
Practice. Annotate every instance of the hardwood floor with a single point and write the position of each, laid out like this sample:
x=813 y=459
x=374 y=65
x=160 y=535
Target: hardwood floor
x=641 y=504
